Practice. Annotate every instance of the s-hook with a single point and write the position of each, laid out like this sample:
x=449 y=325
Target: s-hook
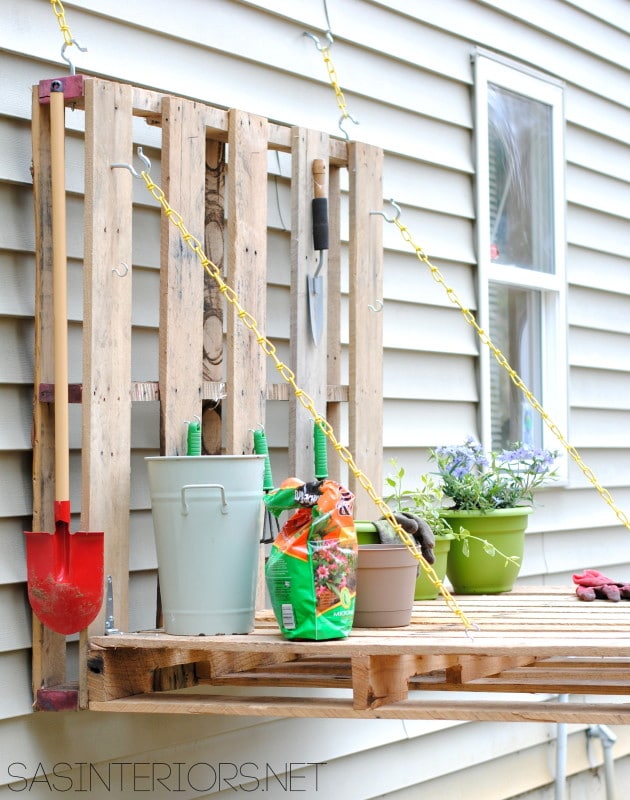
x=142 y=158
x=321 y=47
x=385 y=217
x=68 y=61
x=121 y=273
x=342 y=119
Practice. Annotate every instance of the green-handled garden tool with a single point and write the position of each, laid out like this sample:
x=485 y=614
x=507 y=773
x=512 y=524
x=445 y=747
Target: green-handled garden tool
x=271 y=526
x=320 y=452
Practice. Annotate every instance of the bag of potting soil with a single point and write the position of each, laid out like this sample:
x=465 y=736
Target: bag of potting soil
x=311 y=569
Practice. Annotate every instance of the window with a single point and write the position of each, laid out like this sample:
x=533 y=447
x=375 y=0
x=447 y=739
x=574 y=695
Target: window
x=520 y=239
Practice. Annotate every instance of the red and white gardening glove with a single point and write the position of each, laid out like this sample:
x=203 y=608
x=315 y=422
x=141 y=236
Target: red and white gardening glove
x=591 y=585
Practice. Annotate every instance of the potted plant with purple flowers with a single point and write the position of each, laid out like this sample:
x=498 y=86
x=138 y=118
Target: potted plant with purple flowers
x=491 y=496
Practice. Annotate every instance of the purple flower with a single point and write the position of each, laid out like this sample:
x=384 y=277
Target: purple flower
x=503 y=480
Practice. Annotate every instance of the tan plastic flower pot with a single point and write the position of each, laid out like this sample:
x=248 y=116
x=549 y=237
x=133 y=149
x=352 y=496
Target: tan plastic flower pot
x=386 y=581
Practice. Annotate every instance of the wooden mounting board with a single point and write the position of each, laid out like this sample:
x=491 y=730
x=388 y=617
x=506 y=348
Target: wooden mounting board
x=537 y=642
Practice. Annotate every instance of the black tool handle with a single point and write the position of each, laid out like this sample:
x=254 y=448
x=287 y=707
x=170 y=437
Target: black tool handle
x=320 y=206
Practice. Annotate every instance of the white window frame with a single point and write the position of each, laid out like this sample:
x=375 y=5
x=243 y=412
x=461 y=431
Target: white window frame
x=490 y=69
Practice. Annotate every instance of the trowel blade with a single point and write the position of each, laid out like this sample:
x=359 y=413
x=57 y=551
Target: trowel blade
x=315 y=289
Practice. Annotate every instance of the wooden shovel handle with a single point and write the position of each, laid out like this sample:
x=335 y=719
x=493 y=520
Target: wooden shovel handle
x=60 y=303
x=319 y=178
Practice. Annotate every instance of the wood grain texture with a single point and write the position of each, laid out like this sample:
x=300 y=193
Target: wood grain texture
x=106 y=416
x=538 y=640
x=247 y=275
x=308 y=360
x=181 y=274
x=365 y=412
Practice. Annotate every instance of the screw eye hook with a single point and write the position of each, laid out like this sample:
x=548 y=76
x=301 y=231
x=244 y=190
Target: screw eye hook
x=125 y=270
x=376 y=307
x=318 y=44
x=66 y=58
x=385 y=217
x=342 y=121
x=142 y=158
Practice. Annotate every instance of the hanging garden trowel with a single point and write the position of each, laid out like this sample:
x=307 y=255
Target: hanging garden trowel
x=315 y=283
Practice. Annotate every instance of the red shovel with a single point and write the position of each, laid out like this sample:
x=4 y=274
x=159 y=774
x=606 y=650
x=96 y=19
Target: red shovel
x=64 y=570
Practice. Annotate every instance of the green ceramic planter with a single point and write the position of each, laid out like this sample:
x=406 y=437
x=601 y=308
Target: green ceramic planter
x=425 y=590
x=366 y=532
x=478 y=572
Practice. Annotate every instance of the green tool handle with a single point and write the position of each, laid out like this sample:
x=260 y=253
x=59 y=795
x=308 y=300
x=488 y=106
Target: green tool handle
x=320 y=451
x=261 y=449
x=193 y=443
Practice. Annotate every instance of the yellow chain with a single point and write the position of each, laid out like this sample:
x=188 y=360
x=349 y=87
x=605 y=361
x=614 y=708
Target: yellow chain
x=57 y=7
x=334 y=82
x=515 y=378
x=289 y=377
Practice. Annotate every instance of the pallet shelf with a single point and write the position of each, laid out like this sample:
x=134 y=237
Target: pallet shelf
x=532 y=642
x=535 y=642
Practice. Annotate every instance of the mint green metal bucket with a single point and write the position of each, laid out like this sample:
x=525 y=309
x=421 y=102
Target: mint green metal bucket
x=207 y=518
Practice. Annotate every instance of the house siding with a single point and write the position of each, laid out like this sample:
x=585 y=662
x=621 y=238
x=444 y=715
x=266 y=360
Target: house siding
x=405 y=68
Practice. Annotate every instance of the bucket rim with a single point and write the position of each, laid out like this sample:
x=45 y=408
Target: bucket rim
x=245 y=457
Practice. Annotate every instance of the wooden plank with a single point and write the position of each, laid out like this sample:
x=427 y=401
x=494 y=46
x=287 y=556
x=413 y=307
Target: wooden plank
x=113 y=673
x=181 y=274
x=49 y=648
x=106 y=414
x=308 y=359
x=470 y=668
x=247 y=275
x=365 y=412
x=378 y=680
x=213 y=303
x=148 y=103
x=246 y=705
x=333 y=406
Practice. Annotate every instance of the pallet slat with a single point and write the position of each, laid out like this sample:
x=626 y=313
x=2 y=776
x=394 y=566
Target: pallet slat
x=508 y=711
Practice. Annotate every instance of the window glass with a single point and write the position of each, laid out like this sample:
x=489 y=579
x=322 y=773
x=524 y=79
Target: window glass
x=520 y=181
x=516 y=329
x=521 y=250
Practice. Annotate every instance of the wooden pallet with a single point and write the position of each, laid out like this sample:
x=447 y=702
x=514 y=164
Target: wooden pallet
x=533 y=642
x=222 y=200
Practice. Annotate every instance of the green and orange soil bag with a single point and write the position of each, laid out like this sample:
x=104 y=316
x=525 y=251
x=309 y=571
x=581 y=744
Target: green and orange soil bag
x=311 y=569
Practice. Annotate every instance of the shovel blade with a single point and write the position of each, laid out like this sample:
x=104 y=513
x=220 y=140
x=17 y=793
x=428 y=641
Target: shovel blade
x=65 y=577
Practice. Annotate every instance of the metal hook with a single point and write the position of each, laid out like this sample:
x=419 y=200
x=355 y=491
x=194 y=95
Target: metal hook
x=385 y=217
x=378 y=306
x=342 y=119
x=318 y=43
x=125 y=271
x=473 y=627
x=65 y=57
x=142 y=158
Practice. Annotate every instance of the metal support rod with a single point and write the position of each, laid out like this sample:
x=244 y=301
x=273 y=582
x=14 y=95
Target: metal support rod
x=561 y=755
x=607 y=739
